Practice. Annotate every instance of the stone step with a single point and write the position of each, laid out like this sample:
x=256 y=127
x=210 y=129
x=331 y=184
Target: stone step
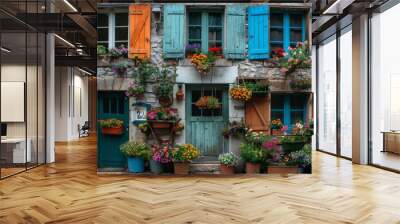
x=204 y=168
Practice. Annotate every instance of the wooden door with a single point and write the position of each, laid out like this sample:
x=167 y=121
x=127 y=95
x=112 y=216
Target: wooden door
x=112 y=104
x=257 y=114
x=204 y=126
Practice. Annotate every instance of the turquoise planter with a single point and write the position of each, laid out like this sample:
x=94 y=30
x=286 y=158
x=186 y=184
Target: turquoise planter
x=135 y=164
x=156 y=167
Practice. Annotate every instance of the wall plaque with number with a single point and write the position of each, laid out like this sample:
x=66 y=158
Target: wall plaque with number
x=139 y=112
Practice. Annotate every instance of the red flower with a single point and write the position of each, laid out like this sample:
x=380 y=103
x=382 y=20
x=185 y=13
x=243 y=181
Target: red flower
x=215 y=49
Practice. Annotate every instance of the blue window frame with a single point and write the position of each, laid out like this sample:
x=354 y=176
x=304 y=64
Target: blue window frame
x=290 y=108
x=205 y=28
x=287 y=28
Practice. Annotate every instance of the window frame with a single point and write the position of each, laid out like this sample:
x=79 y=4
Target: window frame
x=204 y=39
x=287 y=28
x=287 y=110
x=111 y=29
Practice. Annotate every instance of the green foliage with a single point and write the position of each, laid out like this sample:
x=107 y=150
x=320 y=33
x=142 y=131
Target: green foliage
x=111 y=123
x=165 y=81
x=300 y=158
x=256 y=138
x=101 y=50
x=288 y=139
x=144 y=71
x=251 y=153
x=301 y=84
x=228 y=159
x=185 y=153
x=136 y=149
x=236 y=129
x=258 y=87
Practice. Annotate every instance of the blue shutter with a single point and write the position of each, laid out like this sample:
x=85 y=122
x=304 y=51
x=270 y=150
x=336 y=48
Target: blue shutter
x=235 y=34
x=174 y=31
x=286 y=31
x=258 y=32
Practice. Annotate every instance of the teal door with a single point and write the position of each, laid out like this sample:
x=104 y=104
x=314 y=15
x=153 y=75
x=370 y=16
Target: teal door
x=204 y=126
x=112 y=104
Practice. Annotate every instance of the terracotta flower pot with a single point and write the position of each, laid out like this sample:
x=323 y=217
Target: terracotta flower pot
x=181 y=168
x=277 y=132
x=161 y=125
x=253 y=168
x=227 y=170
x=180 y=95
x=165 y=101
x=282 y=169
x=113 y=131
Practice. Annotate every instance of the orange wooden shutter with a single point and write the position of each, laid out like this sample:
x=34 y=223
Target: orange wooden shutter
x=257 y=113
x=139 y=30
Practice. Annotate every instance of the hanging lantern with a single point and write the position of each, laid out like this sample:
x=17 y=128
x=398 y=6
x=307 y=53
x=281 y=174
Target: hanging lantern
x=180 y=94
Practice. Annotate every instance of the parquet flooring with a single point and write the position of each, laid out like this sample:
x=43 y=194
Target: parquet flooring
x=70 y=191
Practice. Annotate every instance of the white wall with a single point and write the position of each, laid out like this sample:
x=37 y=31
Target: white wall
x=71 y=102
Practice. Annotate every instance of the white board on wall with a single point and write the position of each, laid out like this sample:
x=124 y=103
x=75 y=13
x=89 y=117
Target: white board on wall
x=12 y=101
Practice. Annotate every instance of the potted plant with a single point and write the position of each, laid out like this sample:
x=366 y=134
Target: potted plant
x=135 y=90
x=301 y=159
x=182 y=156
x=298 y=57
x=120 y=68
x=162 y=118
x=217 y=51
x=240 y=93
x=191 y=49
x=260 y=87
x=112 y=126
x=136 y=153
x=160 y=155
x=276 y=127
x=208 y=102
x=228 y=161
x=292 y=143
x=101 y=50
x=275 y=159
x=164 y=87
x=179 y=127
x=252 y=155
x=300 y=84
x=119 y=52
x=203 y=62
x=236 y=129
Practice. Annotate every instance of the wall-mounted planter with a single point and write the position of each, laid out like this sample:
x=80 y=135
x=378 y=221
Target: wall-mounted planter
x=282 y=169
x=113 y=131
x=160 y=124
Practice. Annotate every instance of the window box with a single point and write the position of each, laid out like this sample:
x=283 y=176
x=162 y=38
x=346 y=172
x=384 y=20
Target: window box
x=113 y=131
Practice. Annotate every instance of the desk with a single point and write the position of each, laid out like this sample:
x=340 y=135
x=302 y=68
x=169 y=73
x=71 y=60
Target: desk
x=391 y=141
x=13 y=150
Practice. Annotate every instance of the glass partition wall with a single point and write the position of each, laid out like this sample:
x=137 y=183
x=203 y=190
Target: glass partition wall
x=22 y=77
x=334 y=94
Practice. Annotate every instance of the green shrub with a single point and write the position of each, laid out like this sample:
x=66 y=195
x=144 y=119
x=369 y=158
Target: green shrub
x=111 y=123
x=300 y=158
x=136 y=149
x=251 y=153
x=228 y=159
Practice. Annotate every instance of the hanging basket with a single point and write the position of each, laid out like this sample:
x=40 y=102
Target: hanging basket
x=113 y=131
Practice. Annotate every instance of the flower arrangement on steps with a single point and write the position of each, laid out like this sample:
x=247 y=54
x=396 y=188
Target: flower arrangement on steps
x=182 y=156
x=136 y=153
x=228 y=162
x=208 y=102
x=112 y=126
x=240 y=93
x=161 y=157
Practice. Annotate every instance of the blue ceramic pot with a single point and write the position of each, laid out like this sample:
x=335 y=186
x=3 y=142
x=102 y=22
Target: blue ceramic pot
x=135 y=164
x=155 y=167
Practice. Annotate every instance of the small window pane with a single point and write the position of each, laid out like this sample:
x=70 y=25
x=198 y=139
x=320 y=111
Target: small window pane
x=208 y=92
x=207 y=113
x=121 y=19
x=106 y=105
x=296 y=20
x=102 y=34
x=297 y=102
x=276 y=35
x=214 y=19
x=215 y=37
x=195 y=33
x=277 y=115
x=196 y=94
x=296 y=36
x=102 y=20
x=277 y=102
x=121 y=33
x=276 y=19
x=121 y=43
x=195 y=18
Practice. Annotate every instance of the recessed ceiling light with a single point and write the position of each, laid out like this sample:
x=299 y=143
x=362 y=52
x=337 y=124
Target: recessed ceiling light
x=5 y=50
x=70 y=5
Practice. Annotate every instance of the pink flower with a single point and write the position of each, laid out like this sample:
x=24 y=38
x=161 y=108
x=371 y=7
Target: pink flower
x=284 y=128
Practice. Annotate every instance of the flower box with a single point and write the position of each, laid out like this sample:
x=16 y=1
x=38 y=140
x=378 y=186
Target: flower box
x=282 y=169
x=161 y=124
x=113 y=131
x=277 y=132
x=181 y=168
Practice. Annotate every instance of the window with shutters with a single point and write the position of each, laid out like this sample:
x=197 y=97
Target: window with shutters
x=112 y=29
x=287 y=28
x=290 y=108
x=205 y=28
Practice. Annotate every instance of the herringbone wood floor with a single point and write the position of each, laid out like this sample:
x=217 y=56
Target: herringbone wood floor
x=70 y=191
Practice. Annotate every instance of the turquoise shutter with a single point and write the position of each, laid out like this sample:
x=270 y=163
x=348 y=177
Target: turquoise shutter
x=174 y=31
x=258 y=32
x=235 y=34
